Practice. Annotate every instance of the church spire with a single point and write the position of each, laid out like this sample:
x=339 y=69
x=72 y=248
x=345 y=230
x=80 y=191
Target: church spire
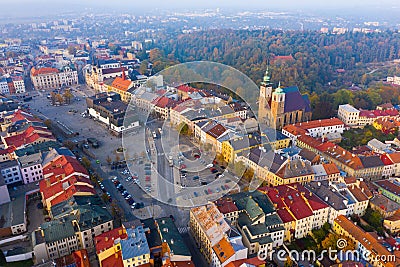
x=267 y=78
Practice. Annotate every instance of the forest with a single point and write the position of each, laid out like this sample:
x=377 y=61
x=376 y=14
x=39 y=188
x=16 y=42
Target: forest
x=322 y=65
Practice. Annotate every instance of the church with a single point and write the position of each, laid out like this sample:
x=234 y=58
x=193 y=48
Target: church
x=282 y=106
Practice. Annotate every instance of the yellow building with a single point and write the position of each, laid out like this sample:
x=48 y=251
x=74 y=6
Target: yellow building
x=121 y=86
x=232 y=147
x=392 y=223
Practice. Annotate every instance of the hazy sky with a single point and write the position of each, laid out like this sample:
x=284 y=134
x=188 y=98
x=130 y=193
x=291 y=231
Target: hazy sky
x=39 y=7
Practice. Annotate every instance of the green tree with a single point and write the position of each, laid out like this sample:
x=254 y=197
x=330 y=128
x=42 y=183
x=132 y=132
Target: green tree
x=86 y=162
x=143 y=67
x=47 y=123
x=68 y=96
x=69 y=144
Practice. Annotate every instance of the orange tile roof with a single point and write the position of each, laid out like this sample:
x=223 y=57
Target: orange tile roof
x=71 y=191
x=345 y=157
x=36 y=72
x=224 y=250
x=365 y=238
x=78 y=258
x=121 y=84
x=294 y=130
x=330 y=168
x=319 y=123
x=395 y=157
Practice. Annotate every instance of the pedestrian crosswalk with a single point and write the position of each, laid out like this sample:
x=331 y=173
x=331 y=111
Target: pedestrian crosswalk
x=183 y=230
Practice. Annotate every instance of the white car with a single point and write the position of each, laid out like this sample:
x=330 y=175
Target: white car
x=210 y=165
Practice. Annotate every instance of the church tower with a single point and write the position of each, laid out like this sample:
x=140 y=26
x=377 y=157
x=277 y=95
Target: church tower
x=278 y=107
x=265 y=96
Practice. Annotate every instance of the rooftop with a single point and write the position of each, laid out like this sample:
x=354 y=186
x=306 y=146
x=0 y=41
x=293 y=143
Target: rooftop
x=135 y=244
x=170 y=234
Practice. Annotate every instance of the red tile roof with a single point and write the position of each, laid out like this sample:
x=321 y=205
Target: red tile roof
x=386 y=160
x=21 y=115
x=71 y=191
x=106 y=240
x=285 y=215
x=165 y=102
x=30 y=135
x=294 y=199
x=226 y=205
x=115 y=260
x=64 y=165
x=53 y=185
x=187 y=89
x=216 y=131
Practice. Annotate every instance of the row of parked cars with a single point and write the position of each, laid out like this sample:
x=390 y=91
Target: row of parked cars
x=104 y=190
x=125 y=194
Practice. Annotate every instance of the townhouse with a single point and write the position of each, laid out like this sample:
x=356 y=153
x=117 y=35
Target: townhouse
x=389 y=188
x=367 y=246
x=31 y=168
x=300 y=210
x=342 y=200
x=256 y=218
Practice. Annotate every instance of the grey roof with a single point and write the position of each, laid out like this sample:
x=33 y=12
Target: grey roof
x=30 y=160
x=348 y=108
x=32 y=149
x=18 y=206
x=388 y=204
x=53 y=153
x=257 y=229
x=371 y=161
x=136 y=243
x=295 y=168
x=74 y=202
x=152 y=235
x=8 y=164
x=330 y=197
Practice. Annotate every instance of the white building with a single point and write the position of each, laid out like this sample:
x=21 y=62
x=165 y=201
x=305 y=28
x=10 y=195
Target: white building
x=19 y=84
x=10 y=171
x=52 y=78
x=31 y=168
x=349 y=114
x=4 y=87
